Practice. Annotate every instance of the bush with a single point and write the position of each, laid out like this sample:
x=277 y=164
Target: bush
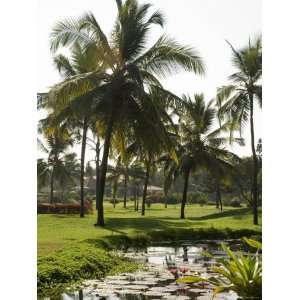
x=74 y=264
x=202 y=201
x=197 y=197
x=112 y=201
x=235 y=203
x=170 y=200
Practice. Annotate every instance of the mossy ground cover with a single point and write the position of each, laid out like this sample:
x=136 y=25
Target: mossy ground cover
x=71 y=248
x=73 y=264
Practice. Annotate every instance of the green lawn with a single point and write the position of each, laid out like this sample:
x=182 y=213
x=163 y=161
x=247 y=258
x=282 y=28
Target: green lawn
x=57 y=231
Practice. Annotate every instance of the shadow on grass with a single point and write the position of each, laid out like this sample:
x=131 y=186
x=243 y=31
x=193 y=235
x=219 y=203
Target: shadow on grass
x=64 y=216
x=145 y=224
x=136 y=224
x=235 y=213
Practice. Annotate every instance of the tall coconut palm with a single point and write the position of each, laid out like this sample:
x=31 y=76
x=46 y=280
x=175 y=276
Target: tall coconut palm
x=236 y=101
x=198 y=146
x=131 y=71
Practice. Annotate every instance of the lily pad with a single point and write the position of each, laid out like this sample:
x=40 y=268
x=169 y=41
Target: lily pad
x=156 y=294
x=175 y=297
x=129 y=292
x=137 y=287
x=196 y=291
x=119 y=282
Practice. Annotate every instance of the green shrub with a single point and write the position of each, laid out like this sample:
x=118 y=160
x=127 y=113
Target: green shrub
x=202 y=201
x=235 y=203
x=170 y=199
x=74 y=264
x=112 y=201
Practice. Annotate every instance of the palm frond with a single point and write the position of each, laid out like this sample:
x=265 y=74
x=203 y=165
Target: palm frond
x=63 y=65
x=65 y=33
x=168 y=57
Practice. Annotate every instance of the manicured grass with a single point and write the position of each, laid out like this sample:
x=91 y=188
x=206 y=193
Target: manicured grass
x=58 y=231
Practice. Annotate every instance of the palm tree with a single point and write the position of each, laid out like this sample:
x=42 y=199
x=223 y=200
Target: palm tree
x=75 y=110
x=236 y=101
x=131 y=170
x=67 y=172
x=197 y=146
x=58 y=140
x=97 y=130
x=131 y=71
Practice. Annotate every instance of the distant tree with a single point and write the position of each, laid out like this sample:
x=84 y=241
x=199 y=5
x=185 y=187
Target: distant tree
x=236 y=101
x=198 y=145
x=57 y=141
x=73 y=108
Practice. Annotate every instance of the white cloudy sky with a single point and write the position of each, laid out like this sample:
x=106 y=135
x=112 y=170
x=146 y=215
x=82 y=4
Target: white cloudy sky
x=203 y=24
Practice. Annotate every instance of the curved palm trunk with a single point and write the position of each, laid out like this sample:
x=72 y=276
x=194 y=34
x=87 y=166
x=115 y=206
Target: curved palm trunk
x=145 y=187
x=83 y=146
x=255 y=165
x=97 y=172
x=103 y=170
x=184 y=194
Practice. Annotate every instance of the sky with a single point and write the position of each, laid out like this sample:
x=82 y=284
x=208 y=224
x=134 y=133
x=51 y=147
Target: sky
x=202 y=24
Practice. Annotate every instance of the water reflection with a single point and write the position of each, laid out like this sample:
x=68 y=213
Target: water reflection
x=181 y=258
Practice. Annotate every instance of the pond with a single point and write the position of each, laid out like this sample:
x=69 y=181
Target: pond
x=163 y=264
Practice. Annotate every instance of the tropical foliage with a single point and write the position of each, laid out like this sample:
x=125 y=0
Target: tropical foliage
x=236 y=101
x=197 y=145
x=111 y=96
x=239 y=273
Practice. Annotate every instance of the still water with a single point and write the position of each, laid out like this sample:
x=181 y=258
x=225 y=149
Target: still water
x=157 y=282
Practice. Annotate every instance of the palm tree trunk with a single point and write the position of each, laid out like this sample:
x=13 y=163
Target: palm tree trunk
x=145 y=187
x=83 y=146
x=184 y=194
x=219 y=197
x=97 y=172
x=137 y=197
x=115 y=187
x=125 y=191
x=51 y=186
x=103 y=170
x=255 y=165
